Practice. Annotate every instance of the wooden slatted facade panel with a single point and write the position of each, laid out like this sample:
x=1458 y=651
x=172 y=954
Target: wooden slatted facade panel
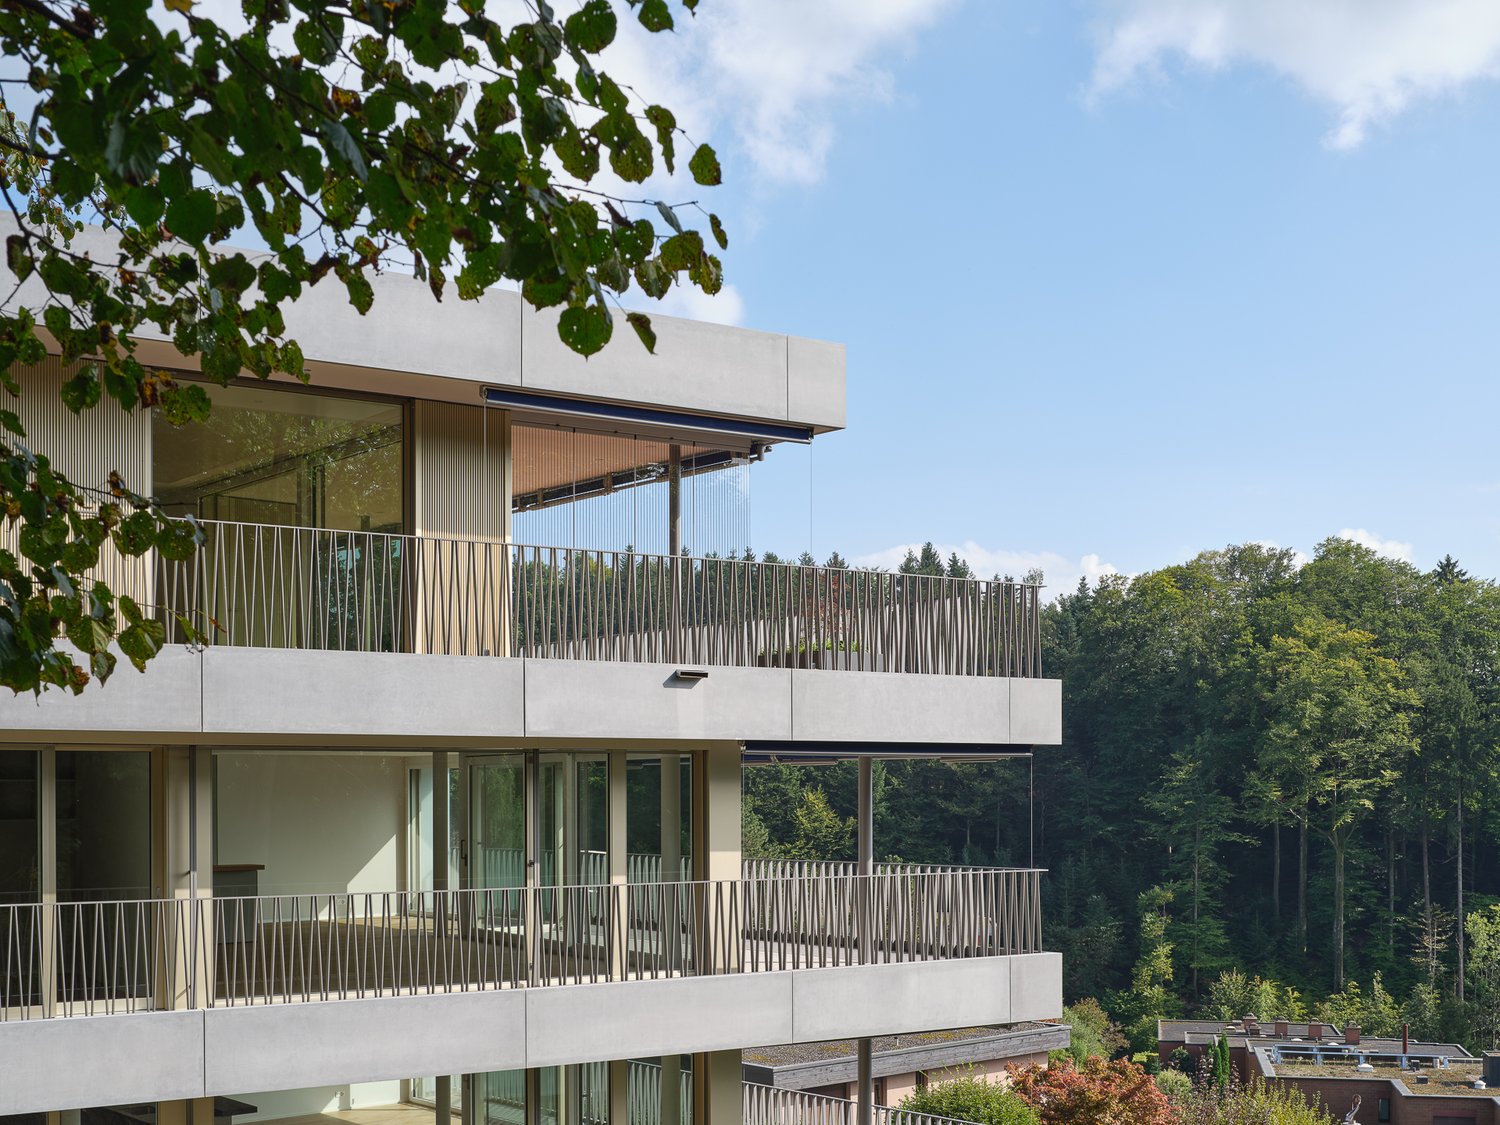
x=84 y=447
x=461 y=471
x=461 y=489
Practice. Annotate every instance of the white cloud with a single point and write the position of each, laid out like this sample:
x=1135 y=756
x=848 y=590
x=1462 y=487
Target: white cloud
x=1060 y=573
x=1390 y=548
x=770 y=75
x=726 y=306
x=1368 y=59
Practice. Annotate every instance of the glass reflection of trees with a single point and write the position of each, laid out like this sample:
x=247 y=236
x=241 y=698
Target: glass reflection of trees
x=276 y=456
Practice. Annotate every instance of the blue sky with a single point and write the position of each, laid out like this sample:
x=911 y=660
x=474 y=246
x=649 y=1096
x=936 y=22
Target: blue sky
x=1122 y=281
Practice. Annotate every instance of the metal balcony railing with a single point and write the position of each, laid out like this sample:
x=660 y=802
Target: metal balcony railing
x=59 y=959
x=286 y=587
x=772 y=1105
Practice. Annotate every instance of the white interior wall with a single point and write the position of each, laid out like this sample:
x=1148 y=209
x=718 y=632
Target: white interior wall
x=279 y=1104
x=320 y=822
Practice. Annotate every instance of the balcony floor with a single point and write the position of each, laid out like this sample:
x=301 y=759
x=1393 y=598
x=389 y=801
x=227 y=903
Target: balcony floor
x=404 y=1114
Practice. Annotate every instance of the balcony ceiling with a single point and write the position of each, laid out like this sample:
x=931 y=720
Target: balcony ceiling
x=550 y=465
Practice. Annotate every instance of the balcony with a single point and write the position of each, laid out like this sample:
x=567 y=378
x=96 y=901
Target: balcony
x=263 y=586
x=109 y=958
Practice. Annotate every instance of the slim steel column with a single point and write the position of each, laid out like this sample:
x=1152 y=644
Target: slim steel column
x=864 y=1111
x=443 y=1093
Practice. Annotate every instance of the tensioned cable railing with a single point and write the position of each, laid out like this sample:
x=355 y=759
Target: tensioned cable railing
x=287 y=587
x=107 y=957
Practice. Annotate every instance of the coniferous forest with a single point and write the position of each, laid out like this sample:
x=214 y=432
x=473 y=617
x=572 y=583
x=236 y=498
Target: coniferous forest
x=1278 y=792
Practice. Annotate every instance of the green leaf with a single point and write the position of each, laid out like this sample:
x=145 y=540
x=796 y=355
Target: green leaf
x=670 y=215
x=542 y=294
x=630 y=152
x=361 y=293
x=635 y=240
x=341 y=141
x=654 y=280
x=144 y=205
x=82 y=391
x=18 y=258
x=585 y=330
x=642 y=325
x=192 y=216
x=187 y=402
x=141 y=641
x=314 y=41
x=705 y=167
x=579 y=153
x=718 y=228
x=682 y=251
x=655 y=15
x=12 y=422
x=591 y=28
x=665 y=123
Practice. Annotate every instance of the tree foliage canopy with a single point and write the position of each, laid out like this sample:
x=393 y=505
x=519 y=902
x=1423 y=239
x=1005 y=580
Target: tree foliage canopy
x=1256 y=744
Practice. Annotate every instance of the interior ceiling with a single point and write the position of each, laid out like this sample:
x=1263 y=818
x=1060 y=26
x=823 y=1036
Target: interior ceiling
x=244 y=432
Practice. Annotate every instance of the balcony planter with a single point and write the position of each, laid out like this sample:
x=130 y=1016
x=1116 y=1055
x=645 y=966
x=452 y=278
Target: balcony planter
x=791 y=658
x=830 y=655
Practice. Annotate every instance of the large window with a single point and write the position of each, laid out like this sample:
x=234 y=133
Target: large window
x=276 y=456
x=612 y=492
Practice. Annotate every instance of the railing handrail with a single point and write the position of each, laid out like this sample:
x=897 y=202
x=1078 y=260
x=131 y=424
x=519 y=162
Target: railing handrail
x=498 y=541
x=825 y=1109
x=275 y=586
x=130 y=955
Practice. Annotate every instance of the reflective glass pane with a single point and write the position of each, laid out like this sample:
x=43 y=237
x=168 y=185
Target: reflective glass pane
x=283 y=457
x=500 y=1097
x=20 y=825
x=653 y=1082
x=497 y=822
x=659 y=818
x=103 y=825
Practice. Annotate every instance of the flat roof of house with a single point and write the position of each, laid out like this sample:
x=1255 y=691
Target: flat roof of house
x=1201 y=1032
x=1454 y=1080
x=802 y=1066
x=793 y=1054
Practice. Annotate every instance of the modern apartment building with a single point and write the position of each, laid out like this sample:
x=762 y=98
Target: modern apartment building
x=443 y=821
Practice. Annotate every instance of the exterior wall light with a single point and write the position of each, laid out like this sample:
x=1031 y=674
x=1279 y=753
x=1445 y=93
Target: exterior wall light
x=690 y=674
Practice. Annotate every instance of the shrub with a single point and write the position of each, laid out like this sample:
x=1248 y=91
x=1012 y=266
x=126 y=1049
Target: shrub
x=1176 y=1086
x=1256 y=1104
x=1098 y=1093
x=1094 y=1033
x=971 y=1099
